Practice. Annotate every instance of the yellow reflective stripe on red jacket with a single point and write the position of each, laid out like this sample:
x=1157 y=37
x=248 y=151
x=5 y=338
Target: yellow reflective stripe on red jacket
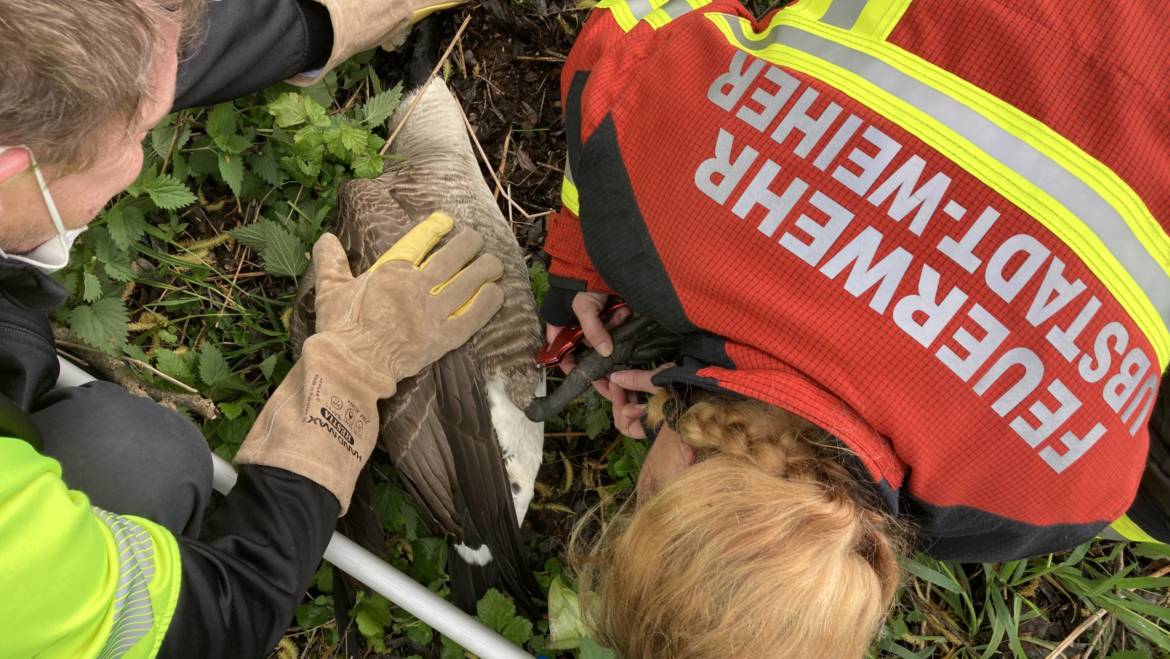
x=1091 y=210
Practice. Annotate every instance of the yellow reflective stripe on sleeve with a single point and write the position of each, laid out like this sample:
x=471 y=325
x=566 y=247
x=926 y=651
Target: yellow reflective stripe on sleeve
x=995 y=143
x=871 y=18
x=569 y=196
x=1131 y=531
x=879 y=18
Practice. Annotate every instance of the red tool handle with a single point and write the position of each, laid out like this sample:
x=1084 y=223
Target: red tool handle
x=570 y=338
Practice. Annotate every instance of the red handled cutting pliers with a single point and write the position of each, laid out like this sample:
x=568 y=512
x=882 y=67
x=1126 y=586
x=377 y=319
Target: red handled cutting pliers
x=572 y=337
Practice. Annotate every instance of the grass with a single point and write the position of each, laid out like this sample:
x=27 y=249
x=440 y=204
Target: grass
x=192 y=274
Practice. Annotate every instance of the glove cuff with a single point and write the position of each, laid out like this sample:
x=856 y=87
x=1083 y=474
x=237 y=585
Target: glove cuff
x=322 y=423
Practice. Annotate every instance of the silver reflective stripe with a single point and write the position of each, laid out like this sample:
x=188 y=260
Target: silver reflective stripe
x=844 y=13
x=569 y=172
x=676 y=8
x=1097 y=214
x=640 y=8
x=133 y=611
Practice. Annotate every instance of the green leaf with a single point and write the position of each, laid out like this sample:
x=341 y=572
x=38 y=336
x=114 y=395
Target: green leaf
x=295 y=109
x=538 y=276
x=931 y=575
x=451 y=650
x=231 y=169
x=282 y=252
x=498 y=612
x=161 y=136
x=597 y=420
x=213 y=368
x=221 y=123
x=265 y=166
x=91 y=287
x=168 y=193
x=591 y=649
x=126 y=225
x=379 y=108
x=268 y=366
x=372 y=614
x=430 y=555
x=173 y=364
x=565 y=626
x=352 y=137
x=103 y=324
x=630 y=458
x=420 y=634
x=368 y=165
x=315 y=613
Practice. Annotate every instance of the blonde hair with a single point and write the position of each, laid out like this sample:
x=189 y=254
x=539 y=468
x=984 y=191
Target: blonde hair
x=766 y=547
x=69 y=68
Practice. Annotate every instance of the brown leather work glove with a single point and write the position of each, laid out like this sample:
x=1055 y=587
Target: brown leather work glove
x=359 y=25
x=372 y=331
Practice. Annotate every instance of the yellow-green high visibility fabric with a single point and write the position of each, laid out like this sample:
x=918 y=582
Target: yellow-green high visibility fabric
x=77 y=581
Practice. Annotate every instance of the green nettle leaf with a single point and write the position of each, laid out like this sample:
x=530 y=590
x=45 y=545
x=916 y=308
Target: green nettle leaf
x=268 y=366
x=213 y=368
x=161 y=136
x=173 y=364
x=498 y=612
x=420 y=634
x=231 y=169
x=126 y=225
x=368 y=165
x=372 y=614
x=430 y=555
x=265 y=166
x=221 y=123
x=379 y=108
x=294 y=109
x=538 y=276
x=91 y=287
x=597 y=420
x=315 y=613
x=353 y=138
x=103 y=324
x=168 y=193
x=284 y=253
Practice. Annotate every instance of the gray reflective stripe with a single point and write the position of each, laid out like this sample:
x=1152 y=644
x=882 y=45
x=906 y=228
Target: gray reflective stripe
x=640 y=8
x=676 y=8
x=569 y=172
x=1073 y=193
x=844 y=13
x=133 y=611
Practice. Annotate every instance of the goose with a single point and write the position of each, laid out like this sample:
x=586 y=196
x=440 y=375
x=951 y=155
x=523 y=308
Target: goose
x=456 y=432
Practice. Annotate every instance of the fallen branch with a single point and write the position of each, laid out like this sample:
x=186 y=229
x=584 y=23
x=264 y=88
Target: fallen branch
x=118 y=371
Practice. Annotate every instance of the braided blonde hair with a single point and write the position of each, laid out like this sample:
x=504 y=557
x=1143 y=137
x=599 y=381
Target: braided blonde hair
x=766 y=547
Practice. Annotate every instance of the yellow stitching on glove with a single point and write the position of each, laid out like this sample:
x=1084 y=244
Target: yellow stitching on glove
x=420 y=14
x=415 y=245
x=468 y=304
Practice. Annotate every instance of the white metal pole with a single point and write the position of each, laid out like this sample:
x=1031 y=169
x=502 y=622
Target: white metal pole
x=372 y=571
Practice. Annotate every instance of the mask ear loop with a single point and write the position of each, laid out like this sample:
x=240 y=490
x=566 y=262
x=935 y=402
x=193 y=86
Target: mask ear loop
x=48 y=197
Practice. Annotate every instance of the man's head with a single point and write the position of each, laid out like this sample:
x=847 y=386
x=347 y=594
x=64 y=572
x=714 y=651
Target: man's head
x=81 y=83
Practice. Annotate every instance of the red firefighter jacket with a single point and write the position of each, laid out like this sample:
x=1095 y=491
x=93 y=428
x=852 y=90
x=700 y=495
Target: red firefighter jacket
x=936 y=228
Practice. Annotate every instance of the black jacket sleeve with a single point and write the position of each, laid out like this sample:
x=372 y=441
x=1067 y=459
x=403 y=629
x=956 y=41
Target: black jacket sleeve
x=1151 y=508
x=248 y=45
x=244 y=577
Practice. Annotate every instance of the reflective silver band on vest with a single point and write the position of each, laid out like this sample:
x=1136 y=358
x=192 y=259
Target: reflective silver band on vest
x=133 y=611
x=642 y=8
x=1073 y=193
x=844 y=13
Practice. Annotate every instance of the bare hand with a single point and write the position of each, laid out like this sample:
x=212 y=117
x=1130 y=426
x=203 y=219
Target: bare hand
x=587 y=306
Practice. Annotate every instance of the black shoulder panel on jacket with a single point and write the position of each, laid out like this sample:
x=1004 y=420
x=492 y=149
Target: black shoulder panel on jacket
x=621 y=248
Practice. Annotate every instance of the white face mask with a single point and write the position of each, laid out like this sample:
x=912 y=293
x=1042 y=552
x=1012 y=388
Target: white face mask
x=54 y=254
